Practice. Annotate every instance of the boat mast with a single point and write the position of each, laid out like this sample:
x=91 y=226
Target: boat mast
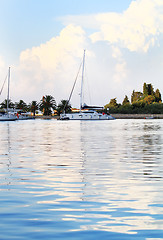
x=8 y=96
x=67 y=102
x=81 y=93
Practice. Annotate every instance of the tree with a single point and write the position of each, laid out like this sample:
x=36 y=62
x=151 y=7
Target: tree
x=63 y=106
x=125 y=100
x=10 y=104
x=34 y=107
x=125 y=109
x=150 y=89
x=136 y=96
x=145 y=90
x=149 y=99
x=157 y=96
x=47 y=103
x=113 y=103
x=112 y=106
x=21 y=105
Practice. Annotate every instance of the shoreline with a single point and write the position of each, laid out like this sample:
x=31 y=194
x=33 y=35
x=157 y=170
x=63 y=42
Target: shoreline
x=46 y=117
x=137 y=116
x=116 y=116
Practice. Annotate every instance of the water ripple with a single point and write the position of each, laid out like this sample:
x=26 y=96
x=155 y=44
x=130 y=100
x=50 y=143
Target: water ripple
x=81 y=180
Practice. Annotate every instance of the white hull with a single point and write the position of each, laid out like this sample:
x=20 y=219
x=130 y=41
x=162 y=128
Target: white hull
x=89 y=115
x=7 y=117
x=24 y=117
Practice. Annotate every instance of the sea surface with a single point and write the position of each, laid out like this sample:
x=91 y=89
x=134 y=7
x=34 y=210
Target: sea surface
x=81 y=180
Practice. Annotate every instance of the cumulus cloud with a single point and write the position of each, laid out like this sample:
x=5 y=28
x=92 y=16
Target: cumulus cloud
x=130 y=35
x=120 y=69
x=136 y=29
x=51 y=67
x=118 y=51
x=58 y=51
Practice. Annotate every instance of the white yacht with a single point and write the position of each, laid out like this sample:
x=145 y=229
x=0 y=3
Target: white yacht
x=24 y=116
x=8 y=116
x=85 y=112
x=86 y=115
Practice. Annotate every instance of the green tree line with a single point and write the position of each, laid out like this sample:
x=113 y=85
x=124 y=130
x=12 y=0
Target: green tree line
x=148 y=101
x=47 y=105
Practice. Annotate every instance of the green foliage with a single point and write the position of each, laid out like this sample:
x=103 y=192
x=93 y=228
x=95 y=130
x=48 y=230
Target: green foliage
x=145 y=90
x=4 y=104
x=157 y=96
x=136 y=96
x=33 y=106
x=137 y=107
x=125 y=101
x=63 y=106
x=112 y=104
x=21 y=105
x=156 y=108
x=125 y=109
x=150 y=89
x=146 y=102
x=47 y=103
x=149 y=99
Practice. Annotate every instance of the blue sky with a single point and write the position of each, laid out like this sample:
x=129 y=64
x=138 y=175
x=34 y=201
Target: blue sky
x=28 y=23
x=43 y=41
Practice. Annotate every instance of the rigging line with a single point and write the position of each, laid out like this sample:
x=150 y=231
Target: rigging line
x=3 y=85
x=74 y=83
x=67 y=102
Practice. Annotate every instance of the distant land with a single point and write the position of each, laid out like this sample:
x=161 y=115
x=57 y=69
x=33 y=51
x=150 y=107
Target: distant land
x=147 y=102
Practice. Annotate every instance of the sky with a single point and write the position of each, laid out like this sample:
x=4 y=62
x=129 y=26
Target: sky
x=43 y=42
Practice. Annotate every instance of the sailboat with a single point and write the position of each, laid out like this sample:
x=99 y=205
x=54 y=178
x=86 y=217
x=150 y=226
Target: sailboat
x=7 y=116
x=86 y=112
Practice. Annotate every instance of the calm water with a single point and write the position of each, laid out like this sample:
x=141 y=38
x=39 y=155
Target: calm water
x=81 y=180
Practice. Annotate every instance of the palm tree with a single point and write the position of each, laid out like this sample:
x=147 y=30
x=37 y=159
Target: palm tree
x=47 y=104
x=63 y=106
x=33 y=107
x=21 y=105
x=4 y=104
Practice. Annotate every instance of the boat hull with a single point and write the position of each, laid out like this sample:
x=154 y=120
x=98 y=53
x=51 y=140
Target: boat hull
x=25 y=117
x=86 y=116
x=7 y=117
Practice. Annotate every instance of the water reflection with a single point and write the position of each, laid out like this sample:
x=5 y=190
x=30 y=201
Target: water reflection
x=5 y=157
x=83 y=177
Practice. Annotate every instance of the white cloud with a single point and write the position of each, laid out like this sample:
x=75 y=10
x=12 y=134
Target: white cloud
x=130 y=35
x=116 y=52
x=120 y=69
x=136 y=29
x=51 y=67
x=118 y=55
x=120 y=72
x=59 y=50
